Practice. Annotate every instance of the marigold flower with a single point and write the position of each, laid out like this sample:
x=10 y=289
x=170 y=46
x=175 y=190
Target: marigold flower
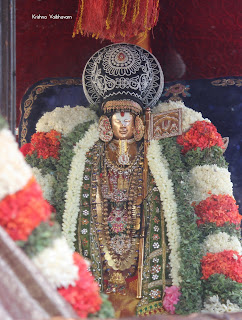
x=84 y=296
x=46 y=144
x=218 y=209
x=23 y=211
x=227 y=262
x=201 y=135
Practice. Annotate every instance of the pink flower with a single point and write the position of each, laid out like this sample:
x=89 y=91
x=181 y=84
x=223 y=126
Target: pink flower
x=171 y=298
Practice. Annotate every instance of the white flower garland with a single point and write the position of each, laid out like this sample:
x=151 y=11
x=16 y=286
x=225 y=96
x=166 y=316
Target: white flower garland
x=57 y=264
x=189 y=116
x=46 y=183
x=213 y=305
x=158 y=166
x=65 y=119
x=221 y=241
x=74 y=184
x=209 y=179
x=14 y=171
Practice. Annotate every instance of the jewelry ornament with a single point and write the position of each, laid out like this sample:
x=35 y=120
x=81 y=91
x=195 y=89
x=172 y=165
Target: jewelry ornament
x=105 y=129
x=139 y=129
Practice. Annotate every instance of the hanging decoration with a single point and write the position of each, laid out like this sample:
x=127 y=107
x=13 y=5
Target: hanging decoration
x=118 y=21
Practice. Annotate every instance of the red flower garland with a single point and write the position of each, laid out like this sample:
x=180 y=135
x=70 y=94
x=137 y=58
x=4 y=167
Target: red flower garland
x=227 y=262
x=25 y=149
x=46 y=144
x=84 y=297
x=23 y=211
x=201 y=135
x=218 y=209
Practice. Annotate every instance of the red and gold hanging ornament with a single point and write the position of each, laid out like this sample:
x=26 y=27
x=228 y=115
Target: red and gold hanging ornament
x=116 y=20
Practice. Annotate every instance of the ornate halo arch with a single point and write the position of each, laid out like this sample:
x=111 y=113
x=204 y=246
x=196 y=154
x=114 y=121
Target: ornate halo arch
x=123 y=71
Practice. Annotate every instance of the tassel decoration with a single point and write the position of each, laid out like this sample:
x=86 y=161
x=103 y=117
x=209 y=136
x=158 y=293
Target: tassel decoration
x=116 y=20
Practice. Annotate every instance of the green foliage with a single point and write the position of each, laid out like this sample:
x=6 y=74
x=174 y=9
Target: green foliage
x=225 y=288
x=211 y=228
x=106 y=311
x=41 y=238
x=63 y=166
x=46 y=165
x=213 y=155
x=190 y=249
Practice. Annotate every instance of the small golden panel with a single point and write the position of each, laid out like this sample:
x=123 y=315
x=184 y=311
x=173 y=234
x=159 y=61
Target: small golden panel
x=166 y=124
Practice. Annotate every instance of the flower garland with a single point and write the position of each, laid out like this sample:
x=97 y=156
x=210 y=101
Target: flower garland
x=221 y=241
x=46 y=183
x=201 y=135
x=18 y=211
x=14 y=172
x=65 y=119
x=86 y=288
x=213 y=305
x=26 y=217
x=218 y=209
x=74 y=183
x=45 y=144
x=189 y=247
x=56 y=264
x=227 y=262
x=158 y=166
x=171 y=298
x=209 y=179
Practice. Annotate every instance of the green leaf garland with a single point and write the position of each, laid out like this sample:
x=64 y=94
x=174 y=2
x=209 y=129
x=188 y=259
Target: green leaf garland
x=190 y=249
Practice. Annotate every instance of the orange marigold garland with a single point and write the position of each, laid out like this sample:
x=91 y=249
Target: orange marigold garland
x=218 y=209
x=227 y=262
x=201 y=135
x=45 y=144
x=22 y=212
x=85 y=296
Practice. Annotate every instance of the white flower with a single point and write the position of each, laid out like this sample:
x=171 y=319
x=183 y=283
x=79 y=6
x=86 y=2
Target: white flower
x=221 y=241
x=84 y=231
x=189 y=116
x=155 y=260
x=160 y=170
x=155 y=293
x=155 y=277
x=156 y=245
x=14 y=171
x=213 y=305
x=57 y=265
x=85 y=212
x=46 y=183
x=209 y=179
x=85 y=195
x=64 y=119
x=156 y=228
x=74 y=183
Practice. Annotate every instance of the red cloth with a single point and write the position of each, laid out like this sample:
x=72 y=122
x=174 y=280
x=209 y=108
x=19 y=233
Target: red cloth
x=193 y=39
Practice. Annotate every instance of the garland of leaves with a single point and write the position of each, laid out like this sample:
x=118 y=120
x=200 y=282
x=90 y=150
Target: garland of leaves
x=60 y=168
x=41 y=238
x=190 y=287
x=225 y=288
x=63 y=166
x=217 y=285
x=198 y=157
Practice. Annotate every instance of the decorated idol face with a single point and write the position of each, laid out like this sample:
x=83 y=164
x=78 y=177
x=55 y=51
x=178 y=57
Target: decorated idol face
x=123 y=125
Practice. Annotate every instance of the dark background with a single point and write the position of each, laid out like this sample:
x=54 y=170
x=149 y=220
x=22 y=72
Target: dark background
x=193 y=39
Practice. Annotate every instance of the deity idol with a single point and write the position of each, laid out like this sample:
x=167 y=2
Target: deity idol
x=133 y=193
